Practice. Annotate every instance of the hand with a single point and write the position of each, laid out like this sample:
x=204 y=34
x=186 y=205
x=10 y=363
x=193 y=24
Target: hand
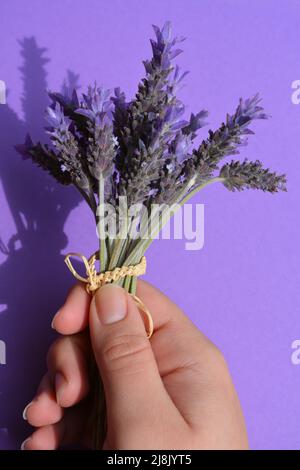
x=172 y=392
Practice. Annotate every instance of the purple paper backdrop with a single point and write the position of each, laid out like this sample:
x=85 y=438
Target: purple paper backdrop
x=242 y=289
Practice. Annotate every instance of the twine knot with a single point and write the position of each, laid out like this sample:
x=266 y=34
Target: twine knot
x=95 y=280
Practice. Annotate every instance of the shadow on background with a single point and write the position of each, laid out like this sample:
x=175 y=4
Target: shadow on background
x=33 y=277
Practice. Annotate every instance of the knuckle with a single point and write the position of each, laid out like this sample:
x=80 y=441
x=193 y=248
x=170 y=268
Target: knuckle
x=125 y=352
x=220 y=375
x=214 y=365
x=218 y=357
x=54 y=350
x=212 y=354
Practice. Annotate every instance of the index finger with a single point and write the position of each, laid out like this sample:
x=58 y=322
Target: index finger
x=72 y=317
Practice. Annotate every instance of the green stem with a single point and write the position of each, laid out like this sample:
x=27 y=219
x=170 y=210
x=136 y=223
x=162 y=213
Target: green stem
x=142 y=246
x=132 y=289
x=117 y=248
x=127 y=283
x=192 y=193
x=99 y=412
x=103 y=250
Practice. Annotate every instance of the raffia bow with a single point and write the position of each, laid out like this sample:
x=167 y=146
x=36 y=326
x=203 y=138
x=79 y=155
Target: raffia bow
x=95 y=280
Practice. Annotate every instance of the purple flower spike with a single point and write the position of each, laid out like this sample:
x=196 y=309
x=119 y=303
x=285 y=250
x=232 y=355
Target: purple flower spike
x=143 y=148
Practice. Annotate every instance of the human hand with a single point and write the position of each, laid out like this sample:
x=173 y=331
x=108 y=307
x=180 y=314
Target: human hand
x=173 y=391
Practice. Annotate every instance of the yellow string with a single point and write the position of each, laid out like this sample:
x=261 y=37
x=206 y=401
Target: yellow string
x=95 y=280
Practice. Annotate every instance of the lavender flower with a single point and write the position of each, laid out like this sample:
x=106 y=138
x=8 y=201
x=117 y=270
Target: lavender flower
x=151 y=129
x=45 y=158
x=149 y=122
x=66 y=144
x=239 y=176
x=101 y=142
x=197 y=121
x=69 y=101
x=59 y=123
x=224 y=141
x=143 y=148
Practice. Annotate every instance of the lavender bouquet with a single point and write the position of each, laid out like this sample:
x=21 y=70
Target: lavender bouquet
x=122 y=154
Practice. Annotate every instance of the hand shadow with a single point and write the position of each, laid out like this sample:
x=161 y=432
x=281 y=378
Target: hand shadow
x=33 y=278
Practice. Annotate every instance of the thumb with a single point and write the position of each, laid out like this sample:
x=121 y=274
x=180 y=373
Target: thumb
x=125 y=358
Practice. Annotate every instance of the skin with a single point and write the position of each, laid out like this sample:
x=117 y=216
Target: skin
x=173 y=391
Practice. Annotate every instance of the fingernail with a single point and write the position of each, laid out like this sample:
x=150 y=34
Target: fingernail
x=60 y=384
x=25 y=410
x=23 y=445
x=53 y=320
x=110 y=304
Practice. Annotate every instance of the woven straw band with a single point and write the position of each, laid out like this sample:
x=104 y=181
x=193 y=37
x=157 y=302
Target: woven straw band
x=95 y=280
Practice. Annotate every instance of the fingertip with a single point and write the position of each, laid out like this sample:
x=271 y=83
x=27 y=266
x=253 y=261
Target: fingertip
x=67 y=363
x=72 y=317
x=42 y=411
x=25 y=444
x=70 y=392
x=54 y=325
x=45 y=438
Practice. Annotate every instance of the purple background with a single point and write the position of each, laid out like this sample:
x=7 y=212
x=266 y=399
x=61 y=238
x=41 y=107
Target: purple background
x=242 y=289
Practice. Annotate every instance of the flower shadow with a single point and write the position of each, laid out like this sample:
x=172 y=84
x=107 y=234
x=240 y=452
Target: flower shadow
x=33 y=278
